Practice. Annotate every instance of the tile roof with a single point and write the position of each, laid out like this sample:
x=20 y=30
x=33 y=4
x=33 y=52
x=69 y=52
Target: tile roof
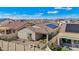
x=38 y=30
x=14 y=25
x=42 y=29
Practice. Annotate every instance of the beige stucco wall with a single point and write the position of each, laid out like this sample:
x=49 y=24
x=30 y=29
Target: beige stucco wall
x=1 y=43
x=19 y=47
x=28 y=48
x=5 y=46
x=11 y=46
x=63 y=28
x=23 y=34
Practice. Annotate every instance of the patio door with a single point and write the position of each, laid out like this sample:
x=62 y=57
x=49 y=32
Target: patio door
x=65 y=42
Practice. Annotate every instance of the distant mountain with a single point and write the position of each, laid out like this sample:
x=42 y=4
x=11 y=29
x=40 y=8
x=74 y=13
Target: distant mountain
x=3 y=19
x=72 y=19
x=61 y=19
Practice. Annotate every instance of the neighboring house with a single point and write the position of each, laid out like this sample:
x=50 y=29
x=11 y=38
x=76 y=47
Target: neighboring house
x=36 y=32
x=12 y=27
x=69 y=36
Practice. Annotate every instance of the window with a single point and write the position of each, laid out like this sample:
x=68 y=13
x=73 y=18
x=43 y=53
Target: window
x=29 y=36
x=76 y=41
x=66 y=40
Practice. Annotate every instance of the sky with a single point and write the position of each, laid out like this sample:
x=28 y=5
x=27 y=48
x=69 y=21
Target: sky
x=39 y=12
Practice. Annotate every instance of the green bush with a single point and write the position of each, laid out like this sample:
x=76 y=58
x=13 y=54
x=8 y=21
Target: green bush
x=65 y=49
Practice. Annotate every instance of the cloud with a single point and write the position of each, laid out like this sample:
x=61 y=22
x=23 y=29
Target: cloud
x=5 y=13
x=58 y=8
x=69 y=8
x=38 y=14
x=64 y=8
x=52 y=12
x=20 y=16
x=72 y=16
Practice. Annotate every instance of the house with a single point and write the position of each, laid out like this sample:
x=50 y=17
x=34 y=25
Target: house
x=39 y=31
x=69 y=36
x=12 y=27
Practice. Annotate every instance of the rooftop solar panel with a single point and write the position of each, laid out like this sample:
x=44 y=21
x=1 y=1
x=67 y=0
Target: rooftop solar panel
x=72 y=28
x=52 y=25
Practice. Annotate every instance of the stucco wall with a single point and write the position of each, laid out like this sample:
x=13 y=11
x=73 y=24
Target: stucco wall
x=63 y=27
x=19 y=47
x=5 y=46
x=1 y=43
x=11 y=46
x=23 y=34
x=28 y=48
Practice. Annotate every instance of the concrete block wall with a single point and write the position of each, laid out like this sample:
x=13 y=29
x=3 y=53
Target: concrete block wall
x=5 y=46
x=19 y=47
x=1 y=43
x=12 y=46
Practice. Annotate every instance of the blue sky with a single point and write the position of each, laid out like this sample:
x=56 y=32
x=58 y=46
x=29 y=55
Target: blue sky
x=39 y=12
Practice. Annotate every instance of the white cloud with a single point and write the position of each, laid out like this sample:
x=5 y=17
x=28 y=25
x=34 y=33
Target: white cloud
x=67 y=8
x=58 y=8
x=52 y=12
x=4 y=13
x=38 y=14
x=19 y=16
x=72 y=16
